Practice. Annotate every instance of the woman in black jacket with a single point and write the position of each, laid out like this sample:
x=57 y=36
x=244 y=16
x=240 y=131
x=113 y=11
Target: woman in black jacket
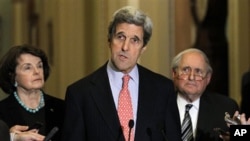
x=23 y=72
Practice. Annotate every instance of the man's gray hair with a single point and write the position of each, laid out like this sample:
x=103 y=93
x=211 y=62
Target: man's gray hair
x=131 y=15
x=176 y=60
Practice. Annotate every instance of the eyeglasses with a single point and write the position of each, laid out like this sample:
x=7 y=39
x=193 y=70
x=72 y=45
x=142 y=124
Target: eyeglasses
x=187 y=72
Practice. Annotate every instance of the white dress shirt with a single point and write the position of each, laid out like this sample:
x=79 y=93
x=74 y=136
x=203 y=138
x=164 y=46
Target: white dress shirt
x=193 y=111
x=115 y=80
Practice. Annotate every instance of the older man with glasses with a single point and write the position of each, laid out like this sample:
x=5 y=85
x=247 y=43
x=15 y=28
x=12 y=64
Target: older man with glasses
x=200 y=111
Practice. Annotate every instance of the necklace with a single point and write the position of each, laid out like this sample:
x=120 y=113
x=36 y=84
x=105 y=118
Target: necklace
x=41 y=103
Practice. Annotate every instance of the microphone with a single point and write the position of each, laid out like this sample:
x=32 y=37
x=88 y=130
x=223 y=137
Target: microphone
x=130 y=125
x=161 y=127
x=163 y=134
x=51 y=133
x=149 y=132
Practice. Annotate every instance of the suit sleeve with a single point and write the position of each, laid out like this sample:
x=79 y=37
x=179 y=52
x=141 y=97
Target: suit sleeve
x=73 y=128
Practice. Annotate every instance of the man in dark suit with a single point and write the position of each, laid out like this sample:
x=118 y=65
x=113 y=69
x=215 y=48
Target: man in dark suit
x=4 y=131
x=245 y=93
x=191 y=74
x=92 y=103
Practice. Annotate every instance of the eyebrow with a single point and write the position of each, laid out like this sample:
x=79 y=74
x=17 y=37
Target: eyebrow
x=121 y=32
x=28 y=63
x=133 y=36
x=196 y=68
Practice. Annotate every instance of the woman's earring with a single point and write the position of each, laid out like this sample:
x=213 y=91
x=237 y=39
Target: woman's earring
x=15 y=84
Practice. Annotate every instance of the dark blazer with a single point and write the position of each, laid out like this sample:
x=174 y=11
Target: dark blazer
x=91 y=114
x=54 y=113
x=4 y=132
x=245 y=93
x=211 y=115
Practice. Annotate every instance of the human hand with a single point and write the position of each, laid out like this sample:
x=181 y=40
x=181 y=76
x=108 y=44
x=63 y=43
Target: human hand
x=225 y=137
x=18 y=128
x=20 y=134
x=235 y=120
x=28 y=136
x=240 y=119
x=243 y=120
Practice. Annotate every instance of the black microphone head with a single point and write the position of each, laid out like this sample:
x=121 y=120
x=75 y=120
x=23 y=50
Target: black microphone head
x=51 y=133
x=55 y=129
x=131 y=123
x=149 y=132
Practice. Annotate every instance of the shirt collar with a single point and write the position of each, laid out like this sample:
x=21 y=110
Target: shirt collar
x=183 y=102
x=115 y=75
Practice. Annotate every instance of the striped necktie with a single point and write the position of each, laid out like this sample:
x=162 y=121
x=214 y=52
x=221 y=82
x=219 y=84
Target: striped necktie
x=186 y=127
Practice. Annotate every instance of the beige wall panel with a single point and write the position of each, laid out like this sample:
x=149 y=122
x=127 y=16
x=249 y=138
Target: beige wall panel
x=158 y=53
x=183 y=25
x=68 y=46
x=239 y=46
x=20 y=28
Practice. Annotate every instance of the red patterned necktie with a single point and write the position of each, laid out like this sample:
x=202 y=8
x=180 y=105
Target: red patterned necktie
x=125 y=110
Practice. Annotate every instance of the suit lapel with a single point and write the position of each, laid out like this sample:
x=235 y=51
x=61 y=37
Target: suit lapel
x=203 y=117
x=103 y=98
x=146 y=102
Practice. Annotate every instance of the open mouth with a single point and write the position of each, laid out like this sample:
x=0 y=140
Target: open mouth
x=122 y=57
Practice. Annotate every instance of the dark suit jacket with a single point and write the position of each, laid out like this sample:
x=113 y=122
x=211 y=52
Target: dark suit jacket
x=245 y=93
x=54 y=113
x=211 y=115
x=91 y=114
x=4 y=132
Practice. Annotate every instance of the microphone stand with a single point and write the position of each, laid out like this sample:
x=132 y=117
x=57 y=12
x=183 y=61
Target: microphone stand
x=130 y=125
x=162 y=130
x=164 y=135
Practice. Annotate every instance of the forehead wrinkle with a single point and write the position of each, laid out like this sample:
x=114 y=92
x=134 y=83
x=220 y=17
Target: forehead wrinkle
x=130 y=29
x=26 y=59
x=193 y=60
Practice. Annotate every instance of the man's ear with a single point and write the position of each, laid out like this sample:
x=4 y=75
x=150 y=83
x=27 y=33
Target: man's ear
x=143 y=49
x=209 y=75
